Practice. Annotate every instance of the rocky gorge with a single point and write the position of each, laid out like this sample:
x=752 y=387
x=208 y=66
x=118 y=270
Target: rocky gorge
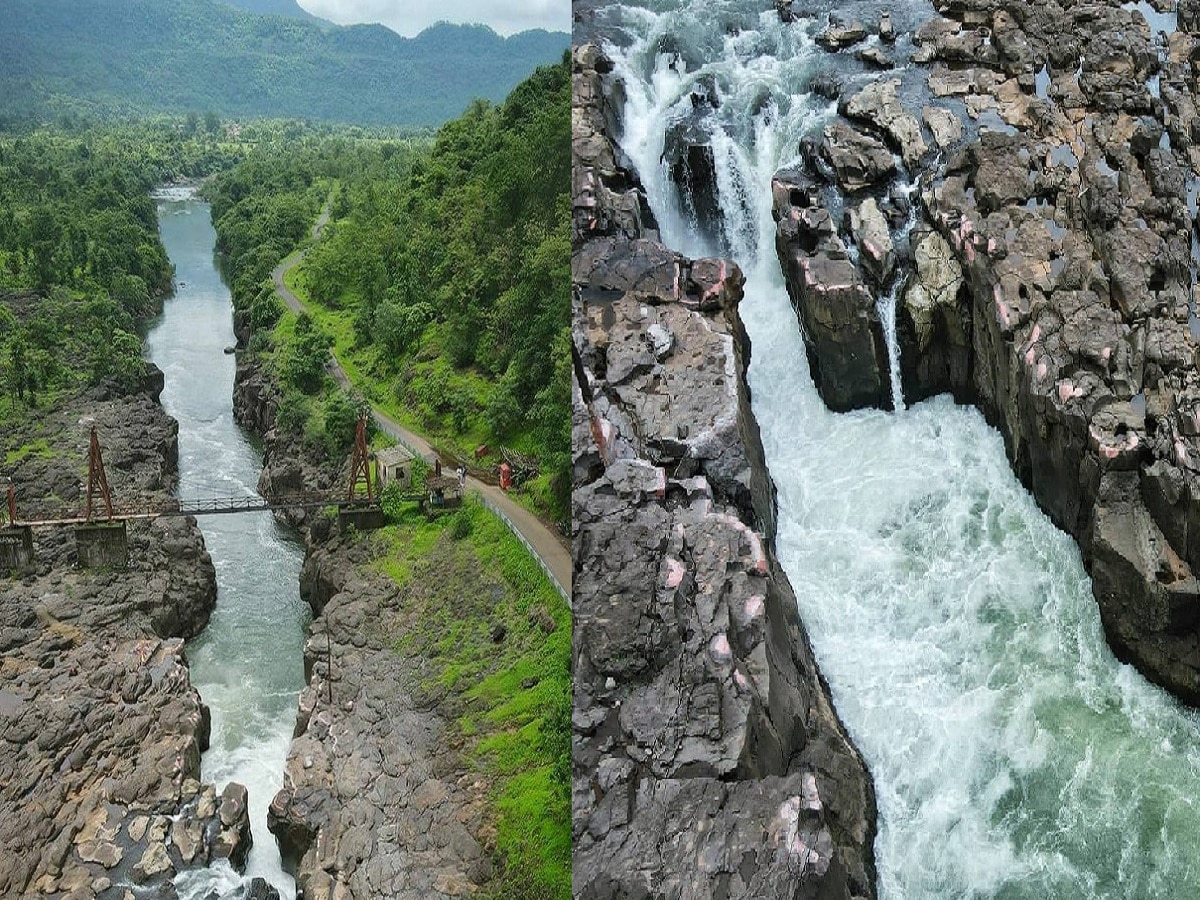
x=1049 y=278
x=708 y=760
x=375 y=801
x=101 y=730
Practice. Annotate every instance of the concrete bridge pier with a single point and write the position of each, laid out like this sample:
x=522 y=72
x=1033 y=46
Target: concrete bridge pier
x=16 y=547
x=366 y=518
x=102 y=545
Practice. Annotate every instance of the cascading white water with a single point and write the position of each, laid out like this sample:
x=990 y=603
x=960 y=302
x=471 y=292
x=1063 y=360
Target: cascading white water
x=886 y=307
x=1013 y=756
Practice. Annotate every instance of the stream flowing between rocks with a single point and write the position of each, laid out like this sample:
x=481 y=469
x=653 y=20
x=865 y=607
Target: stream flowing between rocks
x=1013 y=755
x=248 y=664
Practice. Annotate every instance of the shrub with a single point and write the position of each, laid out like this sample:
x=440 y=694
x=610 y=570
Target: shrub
x=462 y=523
x=293 y=413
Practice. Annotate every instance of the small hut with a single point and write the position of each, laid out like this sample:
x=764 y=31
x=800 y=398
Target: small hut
x=444 y=491
x=394 y=464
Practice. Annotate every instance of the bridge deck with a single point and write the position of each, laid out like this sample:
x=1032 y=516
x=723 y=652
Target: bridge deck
x=209 y=506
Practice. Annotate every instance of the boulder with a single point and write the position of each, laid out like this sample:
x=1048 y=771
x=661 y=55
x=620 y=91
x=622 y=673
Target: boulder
x=943 y=124
x=858 y=160
x=874 y=239
x=878 y=105
x=839 y=34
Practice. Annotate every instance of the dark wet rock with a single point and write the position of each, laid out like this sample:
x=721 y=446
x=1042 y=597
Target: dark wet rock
x=875 y=57
x=694 y=172
x=835 y=306
x=887 y=31
x=825 y=84
x=936 y=333
x=604 y=201
x=1189 y=15
x=873 y=236
x=697 y=699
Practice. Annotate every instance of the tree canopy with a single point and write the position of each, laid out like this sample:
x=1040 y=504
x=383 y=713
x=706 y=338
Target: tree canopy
x=449 y=262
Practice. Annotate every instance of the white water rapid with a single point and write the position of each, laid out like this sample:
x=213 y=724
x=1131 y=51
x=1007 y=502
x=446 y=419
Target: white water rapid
x=248 y=663
x=1013 y=756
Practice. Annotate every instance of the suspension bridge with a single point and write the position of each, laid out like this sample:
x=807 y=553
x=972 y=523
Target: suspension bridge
x=100 y=530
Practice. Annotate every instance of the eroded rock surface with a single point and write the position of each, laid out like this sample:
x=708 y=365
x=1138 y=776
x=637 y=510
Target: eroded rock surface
x=708 y=761
x=374 y=802
x=100 y=729
x=1052 y=282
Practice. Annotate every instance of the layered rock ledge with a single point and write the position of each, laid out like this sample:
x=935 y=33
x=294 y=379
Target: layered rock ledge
x=708 y=760
x=1051 y=281
x=100 y=729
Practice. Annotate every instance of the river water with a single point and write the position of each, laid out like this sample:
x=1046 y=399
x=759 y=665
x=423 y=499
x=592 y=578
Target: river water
x=248 y=663
x=1013 y=756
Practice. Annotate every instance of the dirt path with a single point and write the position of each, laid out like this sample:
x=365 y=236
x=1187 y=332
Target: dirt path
x=543 y=543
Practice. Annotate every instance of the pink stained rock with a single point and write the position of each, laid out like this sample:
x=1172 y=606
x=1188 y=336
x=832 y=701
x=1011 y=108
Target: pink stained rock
x=675 y=572
x=719 y=648
x=754 y=607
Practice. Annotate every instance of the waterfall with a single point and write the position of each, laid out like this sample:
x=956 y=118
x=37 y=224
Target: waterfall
x=886 y=306
x=1013 y=755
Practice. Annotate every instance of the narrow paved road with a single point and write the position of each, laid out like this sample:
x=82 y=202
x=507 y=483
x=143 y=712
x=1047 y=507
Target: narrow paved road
x=545 y=545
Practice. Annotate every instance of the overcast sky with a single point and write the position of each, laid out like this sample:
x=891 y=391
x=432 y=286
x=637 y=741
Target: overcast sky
x=411 y=16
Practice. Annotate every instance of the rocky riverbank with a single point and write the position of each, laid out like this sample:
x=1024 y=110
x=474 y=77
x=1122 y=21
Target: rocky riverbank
x=1050 y=278
x=100 y=729
x=375 y=800
x=708 y=760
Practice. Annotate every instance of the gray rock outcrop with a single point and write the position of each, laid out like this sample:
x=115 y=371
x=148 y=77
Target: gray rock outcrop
x=1052 y=285
x=100 y=729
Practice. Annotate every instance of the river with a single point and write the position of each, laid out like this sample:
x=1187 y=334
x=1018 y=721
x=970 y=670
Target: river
x=1013 y=755
x=248 y=664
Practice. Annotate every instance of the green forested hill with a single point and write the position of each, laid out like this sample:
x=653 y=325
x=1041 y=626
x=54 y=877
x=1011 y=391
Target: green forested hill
x=289 y=8
x=99 y=57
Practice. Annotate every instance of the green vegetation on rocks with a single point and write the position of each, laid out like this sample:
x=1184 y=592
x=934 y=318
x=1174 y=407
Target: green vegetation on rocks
x=497 y=650
x=81 y=264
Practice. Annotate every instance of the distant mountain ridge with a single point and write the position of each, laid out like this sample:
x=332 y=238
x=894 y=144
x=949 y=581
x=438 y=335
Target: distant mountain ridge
x=287 y=8
x=149 y=56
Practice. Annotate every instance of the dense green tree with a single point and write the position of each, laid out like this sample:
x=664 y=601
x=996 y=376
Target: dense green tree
x=81 y=264
x=304 y=361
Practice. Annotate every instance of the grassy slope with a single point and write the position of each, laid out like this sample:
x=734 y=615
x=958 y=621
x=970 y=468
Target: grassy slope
x=461 y=578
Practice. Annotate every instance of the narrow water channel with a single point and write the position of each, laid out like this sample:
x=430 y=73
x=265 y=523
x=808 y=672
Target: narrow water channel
x=247 y=664
x=1013 y=755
